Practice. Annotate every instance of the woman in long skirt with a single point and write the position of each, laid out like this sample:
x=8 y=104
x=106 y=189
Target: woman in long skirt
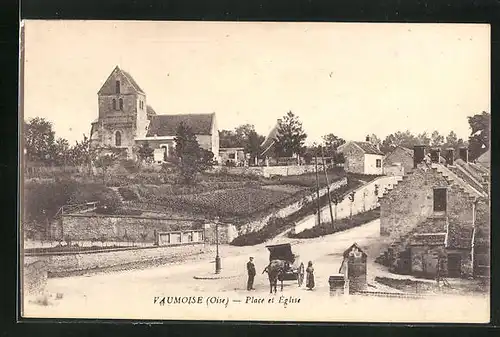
x=310 y=276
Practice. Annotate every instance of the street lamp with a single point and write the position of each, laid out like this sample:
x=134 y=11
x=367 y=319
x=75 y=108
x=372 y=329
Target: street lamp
x=217 y=257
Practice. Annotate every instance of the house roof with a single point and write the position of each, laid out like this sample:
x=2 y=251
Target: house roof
x=459 y=181
x=366 y=147
x=166 y=125
x=270 y=139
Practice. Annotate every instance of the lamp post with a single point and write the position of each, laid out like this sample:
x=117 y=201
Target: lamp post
x=217 y=257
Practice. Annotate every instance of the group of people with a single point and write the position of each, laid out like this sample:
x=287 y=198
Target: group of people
x=251 y=275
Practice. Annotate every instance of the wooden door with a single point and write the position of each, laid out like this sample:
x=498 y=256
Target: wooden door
x=454 y=265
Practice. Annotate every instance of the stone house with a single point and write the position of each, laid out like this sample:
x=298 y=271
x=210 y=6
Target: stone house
x=437 y=218
x=125 y=121
x=399 y=161
x=362 y=157
x=234 y=155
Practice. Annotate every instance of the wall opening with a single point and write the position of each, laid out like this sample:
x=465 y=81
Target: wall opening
x=440 y=200
x=117 y=87
x=118 y=138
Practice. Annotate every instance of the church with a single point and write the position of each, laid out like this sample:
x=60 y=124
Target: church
x=126 y=121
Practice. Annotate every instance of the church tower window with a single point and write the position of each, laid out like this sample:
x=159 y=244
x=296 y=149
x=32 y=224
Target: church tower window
x=118 y=138
x=117 y=87
x=114 y=104
x=121 y=103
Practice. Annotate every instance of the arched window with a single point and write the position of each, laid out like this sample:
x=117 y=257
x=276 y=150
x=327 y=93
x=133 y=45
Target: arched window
x=121 y=103
x=117 y=87
x=118 y=138
x=114 y=104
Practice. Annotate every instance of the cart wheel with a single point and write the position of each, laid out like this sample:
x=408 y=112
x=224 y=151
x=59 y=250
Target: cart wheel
x=300 y=277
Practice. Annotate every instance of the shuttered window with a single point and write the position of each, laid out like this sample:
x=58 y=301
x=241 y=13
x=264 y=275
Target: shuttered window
x=440 y=200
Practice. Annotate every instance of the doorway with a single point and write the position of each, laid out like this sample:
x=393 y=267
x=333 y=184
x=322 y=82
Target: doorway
x=454 y=265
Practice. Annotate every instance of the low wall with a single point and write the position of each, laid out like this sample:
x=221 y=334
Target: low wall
x=365 y=199
x=227 y=233
x=290 y=209
x=34 y=275
x=117 y=228
x=267 y=171
x=59 y=265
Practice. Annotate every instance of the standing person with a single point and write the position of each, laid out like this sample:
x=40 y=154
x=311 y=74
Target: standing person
x=251 y=274
x=310 y=276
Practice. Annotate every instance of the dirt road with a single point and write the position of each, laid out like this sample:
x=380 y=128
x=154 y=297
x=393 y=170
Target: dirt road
x=138 y=294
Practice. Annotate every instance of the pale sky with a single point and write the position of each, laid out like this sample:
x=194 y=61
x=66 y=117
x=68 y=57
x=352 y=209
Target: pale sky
x=343 y=78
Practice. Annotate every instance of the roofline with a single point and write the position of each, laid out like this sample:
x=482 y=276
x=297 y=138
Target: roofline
x=156 y=138
x=123 y=73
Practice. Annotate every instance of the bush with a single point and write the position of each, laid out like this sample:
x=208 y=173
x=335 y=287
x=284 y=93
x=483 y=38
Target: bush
x=130 y=165
x=109 y=202
x=338 y=226
x=275 y=226
x=128 y=194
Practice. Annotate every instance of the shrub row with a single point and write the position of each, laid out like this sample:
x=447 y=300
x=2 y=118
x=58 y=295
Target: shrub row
x=337 y=226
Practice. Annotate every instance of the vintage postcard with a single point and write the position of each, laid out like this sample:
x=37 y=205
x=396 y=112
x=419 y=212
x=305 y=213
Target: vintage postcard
x=255 y=171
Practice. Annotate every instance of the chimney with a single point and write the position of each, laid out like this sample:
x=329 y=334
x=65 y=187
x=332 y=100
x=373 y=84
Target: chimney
x=435 y=155
x=368 y=139
x=463 y=154
x=418 y=154
x=450 y=156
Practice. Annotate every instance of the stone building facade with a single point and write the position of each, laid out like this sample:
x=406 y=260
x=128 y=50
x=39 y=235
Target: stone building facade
x=362 y=157
x=434 y=217
x=125 y=121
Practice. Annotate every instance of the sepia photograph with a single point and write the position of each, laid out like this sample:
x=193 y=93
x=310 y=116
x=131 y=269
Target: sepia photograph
x=255 y=171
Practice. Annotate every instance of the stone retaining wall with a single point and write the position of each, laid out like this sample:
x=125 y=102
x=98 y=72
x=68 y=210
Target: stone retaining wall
x=267 y=171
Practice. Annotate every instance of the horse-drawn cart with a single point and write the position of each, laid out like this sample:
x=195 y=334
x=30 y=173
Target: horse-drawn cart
x=293 y=268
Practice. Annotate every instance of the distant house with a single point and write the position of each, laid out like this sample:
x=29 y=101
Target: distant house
x=232 y=156
x=437 y=218
x=400 y=161
x=269 y=150
x=125 y=121
x=362 y=157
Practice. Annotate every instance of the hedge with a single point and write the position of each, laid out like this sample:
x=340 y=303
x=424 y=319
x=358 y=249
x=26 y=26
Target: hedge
x=338 y=226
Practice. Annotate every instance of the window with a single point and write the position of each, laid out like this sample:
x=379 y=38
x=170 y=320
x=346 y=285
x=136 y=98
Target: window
x=118 y=138
x=121 y=103
x=379 y=163
x=440 y=200
x=232 y=156
x=114 y=104
x=117 y=87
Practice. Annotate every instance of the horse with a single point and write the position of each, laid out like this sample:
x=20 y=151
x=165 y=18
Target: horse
x=275 y=271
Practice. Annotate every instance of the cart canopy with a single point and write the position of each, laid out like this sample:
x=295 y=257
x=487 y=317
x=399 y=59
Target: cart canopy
x=281 y=252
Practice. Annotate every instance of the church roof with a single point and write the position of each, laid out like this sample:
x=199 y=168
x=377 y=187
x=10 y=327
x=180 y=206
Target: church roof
x=166 y=125
x=270 y=139
x=108 y=86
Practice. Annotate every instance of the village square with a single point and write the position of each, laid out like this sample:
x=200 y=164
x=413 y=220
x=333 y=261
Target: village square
x=170 y=210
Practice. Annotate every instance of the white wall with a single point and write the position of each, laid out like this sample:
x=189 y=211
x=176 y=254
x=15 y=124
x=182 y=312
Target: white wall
x=371 y=164
x=365 y=199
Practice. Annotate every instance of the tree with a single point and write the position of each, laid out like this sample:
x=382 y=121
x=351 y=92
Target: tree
x=375 y=140
x=191 y=158
x=39 y=140
x=437 y=140
x=105 y=162
x=227 y=138
x=61 y=152
x=252 y=146
x=290 y=137
x=145 y=152
x=423 y=139
x=332 y=143
x=351 y=198
x=406 y=139
x=336 y=199
x=479 y=139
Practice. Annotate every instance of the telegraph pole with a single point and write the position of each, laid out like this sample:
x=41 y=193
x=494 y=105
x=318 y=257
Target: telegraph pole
x=217 y=257
x=327 y=184
x=317 y=186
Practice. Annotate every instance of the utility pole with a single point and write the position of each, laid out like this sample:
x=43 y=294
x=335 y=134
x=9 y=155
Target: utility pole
x=317 y=187
x=327 y=184
x=217 y=257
